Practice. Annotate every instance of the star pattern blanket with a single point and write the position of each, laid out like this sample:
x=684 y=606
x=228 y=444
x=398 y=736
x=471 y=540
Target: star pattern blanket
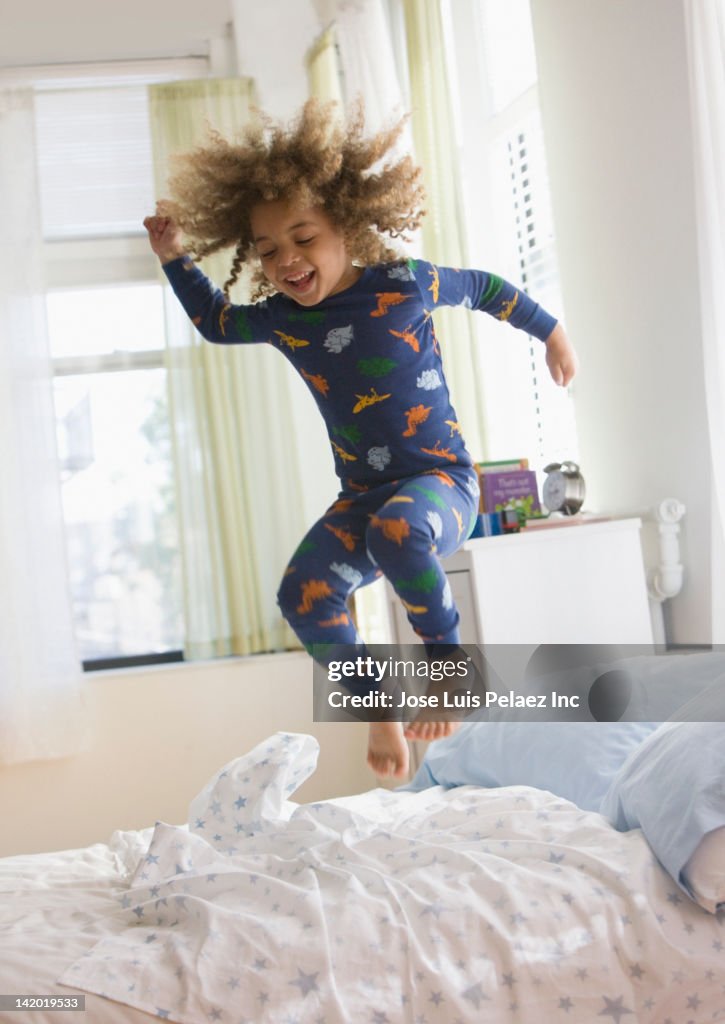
x=438 y=907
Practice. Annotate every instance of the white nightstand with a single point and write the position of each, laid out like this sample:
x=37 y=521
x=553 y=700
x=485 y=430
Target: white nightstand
x=583 y=583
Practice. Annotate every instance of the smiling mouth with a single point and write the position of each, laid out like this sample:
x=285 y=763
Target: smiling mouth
x=300 y=282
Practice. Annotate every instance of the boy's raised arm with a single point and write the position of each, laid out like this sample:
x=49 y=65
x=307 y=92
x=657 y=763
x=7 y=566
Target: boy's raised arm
x=165 y=236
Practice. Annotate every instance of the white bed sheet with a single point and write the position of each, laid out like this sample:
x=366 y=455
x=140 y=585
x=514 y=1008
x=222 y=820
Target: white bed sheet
x=54 y=907
x=439 y=907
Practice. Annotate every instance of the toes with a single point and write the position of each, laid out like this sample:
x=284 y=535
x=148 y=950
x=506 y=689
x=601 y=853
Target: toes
x=428 y=731
x=385 y=765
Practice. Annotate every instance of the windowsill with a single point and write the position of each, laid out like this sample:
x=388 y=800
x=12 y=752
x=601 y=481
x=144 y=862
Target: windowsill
x=232 y=662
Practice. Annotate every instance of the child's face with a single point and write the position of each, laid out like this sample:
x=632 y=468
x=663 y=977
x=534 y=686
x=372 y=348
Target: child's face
x=302 y=253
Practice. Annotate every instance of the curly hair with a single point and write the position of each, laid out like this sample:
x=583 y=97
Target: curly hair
x=315 y=161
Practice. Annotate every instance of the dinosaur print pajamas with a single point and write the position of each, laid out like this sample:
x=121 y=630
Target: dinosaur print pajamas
x=409 y=493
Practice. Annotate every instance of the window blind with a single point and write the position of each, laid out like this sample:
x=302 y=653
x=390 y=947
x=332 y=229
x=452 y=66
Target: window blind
x=94 y=161
x=94 y=145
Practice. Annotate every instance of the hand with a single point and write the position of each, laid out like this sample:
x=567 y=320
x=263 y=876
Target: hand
x=561 y=357
x=165 y=236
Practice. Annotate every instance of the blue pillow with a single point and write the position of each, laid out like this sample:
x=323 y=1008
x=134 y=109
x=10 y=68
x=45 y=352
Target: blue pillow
x=636 y=688
x=673 y=788
x=574 y=760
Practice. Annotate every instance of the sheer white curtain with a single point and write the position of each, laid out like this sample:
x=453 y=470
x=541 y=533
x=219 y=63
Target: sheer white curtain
x=368 y=60
x=706 y=43
x=41 y=713
x=237 y=473
x=323 y=71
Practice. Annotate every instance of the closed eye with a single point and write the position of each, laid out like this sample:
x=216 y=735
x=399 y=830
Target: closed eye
x=267 y=255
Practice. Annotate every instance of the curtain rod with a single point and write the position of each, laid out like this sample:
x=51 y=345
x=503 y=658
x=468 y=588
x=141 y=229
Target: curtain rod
x=47 y=75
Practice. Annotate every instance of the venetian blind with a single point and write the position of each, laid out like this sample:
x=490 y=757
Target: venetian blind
x=94 y=149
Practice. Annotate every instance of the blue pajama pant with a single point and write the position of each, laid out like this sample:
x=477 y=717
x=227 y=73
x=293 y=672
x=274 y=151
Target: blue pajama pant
x=399 y=529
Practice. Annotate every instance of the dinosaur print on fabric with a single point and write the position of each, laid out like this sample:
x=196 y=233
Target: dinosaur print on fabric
x=364 y=401
x=341 y=505
x=443 y=453
x=347 y=573
x=290 y=341
x=386 y=300
x=347 y=539
x=351 y=433
x=431 y=496
x=341 y=453
x=318 y=382
x=495 y=285
x=395 y=530
x=507 y=308
x=379 y=457
x=378 y=366
x=408 y=337
x=337 y=620
x=459 y=520
x=414 y=417
x=445 y=478
x=312 y=591
x=338 y=338
x=435 y=522
x=307 y=316
x=243 y=325
x=429 y=380
x=425 y=582
x=401 y=272
x=434 y=287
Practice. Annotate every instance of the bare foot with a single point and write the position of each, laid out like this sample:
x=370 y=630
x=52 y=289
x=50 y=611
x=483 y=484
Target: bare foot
x=387 y=749
x=427 y=731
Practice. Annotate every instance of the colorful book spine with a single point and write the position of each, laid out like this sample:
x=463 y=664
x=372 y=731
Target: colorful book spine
x=513 y=489
x=484 y=469
x=503 y=465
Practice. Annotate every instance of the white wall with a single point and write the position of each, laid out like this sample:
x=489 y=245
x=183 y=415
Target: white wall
x=272 y=39
x=157 y=735
x=614 y=94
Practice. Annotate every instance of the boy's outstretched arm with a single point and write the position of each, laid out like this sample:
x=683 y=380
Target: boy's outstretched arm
x=210 y=311
x=561 y=357
x=165 y=236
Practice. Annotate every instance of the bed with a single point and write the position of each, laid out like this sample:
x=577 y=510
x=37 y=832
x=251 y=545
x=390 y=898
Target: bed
x=438 y=905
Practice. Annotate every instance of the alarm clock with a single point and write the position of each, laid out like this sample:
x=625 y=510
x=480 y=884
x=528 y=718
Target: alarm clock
x=564 y=488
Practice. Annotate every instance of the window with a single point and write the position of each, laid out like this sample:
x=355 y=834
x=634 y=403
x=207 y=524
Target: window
x=106 y=327
x=503 y=163
x=117 y=472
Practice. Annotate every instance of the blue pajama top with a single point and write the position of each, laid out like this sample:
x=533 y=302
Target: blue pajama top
x=369 y=356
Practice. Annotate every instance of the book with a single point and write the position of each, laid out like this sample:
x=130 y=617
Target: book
x=513 y=489
x=502 y=465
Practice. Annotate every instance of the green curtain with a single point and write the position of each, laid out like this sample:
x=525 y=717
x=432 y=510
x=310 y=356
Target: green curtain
x=443 y=230
x=323 y=71
x=237 y=478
